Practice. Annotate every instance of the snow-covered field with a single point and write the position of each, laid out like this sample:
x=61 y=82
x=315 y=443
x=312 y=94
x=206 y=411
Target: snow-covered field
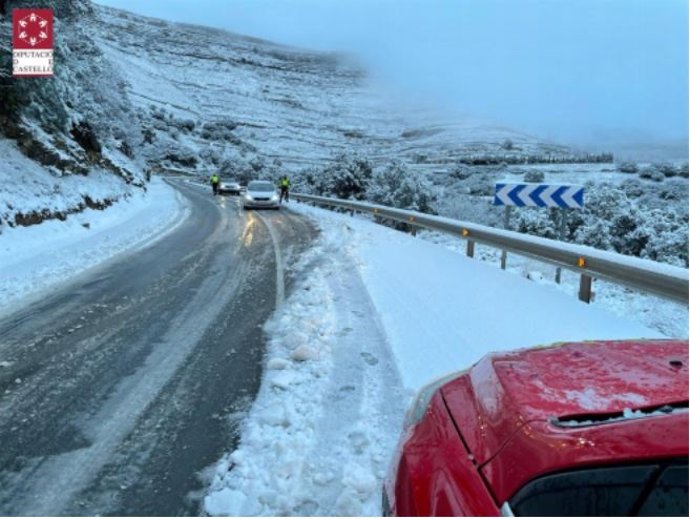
x=35 y=259
x=375 y=315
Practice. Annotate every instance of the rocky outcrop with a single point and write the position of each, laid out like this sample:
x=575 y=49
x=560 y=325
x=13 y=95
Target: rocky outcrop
x=37 y=217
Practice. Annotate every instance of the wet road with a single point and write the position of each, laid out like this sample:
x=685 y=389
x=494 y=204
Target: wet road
x=117 y=391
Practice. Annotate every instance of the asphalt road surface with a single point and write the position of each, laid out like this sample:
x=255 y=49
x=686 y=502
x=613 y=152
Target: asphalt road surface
x=121 y=387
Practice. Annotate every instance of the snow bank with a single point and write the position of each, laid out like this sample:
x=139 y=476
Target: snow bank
x=34 y=259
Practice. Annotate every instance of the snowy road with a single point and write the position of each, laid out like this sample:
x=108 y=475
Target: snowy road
x=115 y=390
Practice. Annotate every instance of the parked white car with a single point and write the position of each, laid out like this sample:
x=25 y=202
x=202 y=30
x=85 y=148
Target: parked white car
x=229 y=187
x=261 y=193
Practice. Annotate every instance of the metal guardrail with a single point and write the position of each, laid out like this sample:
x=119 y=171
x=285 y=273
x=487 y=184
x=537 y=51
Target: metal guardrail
x=663 y=280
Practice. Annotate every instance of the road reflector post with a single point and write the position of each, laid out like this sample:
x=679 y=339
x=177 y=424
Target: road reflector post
x=413 y=228
x=585 y=288
x=470 y=248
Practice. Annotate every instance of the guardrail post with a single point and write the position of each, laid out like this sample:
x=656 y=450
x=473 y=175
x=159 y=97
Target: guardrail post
x=470 y=248
x=561 y=237
x=585 y=288
x=506 y=226
x=413 y=230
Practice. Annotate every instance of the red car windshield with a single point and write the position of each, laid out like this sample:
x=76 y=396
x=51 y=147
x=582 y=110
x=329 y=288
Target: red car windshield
x=649 y=489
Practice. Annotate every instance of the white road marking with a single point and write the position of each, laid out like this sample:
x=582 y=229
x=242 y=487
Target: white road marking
x=280 y=276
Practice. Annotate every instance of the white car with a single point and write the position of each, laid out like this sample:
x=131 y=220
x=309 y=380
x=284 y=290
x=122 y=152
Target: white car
x=229 y=187
x=261 y=193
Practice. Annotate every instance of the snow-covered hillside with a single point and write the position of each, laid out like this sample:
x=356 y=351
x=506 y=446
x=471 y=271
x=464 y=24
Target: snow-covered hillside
x=211 y=95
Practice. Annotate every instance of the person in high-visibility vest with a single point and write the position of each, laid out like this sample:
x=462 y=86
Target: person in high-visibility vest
x=284 y=184
x=215 y=182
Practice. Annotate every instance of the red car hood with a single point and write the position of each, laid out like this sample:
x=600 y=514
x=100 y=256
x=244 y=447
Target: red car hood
x=570 y=382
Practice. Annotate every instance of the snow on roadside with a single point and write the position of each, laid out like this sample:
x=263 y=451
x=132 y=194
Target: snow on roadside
x=82 y=241
x=376 y=315
x=318 y=437
x=668 y=317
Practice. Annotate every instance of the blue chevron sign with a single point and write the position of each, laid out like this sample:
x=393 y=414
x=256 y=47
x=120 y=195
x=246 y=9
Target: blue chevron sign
x=540 y=195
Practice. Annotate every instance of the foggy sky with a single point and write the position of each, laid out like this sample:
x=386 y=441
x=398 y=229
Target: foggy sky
x=572 y=70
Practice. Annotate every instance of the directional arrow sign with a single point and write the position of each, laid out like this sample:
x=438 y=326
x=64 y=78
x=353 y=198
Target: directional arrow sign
x=540 y=195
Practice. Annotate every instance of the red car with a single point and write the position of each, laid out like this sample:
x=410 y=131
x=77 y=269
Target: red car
x=592 y=428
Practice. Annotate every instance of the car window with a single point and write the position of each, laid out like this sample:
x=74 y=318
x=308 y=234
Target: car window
x=261 y=186
x=659 y=489
x=670 y=494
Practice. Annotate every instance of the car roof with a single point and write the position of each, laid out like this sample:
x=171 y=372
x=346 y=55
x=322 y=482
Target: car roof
x=569 y=390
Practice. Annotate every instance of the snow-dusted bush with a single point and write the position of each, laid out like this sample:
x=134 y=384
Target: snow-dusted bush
x=186 y=125
x=482 y=184
x=220 y=131
x=613 y=221
x=666 y=236
x=461 y=172
x=627 y=167
x=683 y=170
x=537 y=222
x=668 y=169
x=632 y=187
x=651 y=173
x=234 y=166
x=534 y=175
x=594 y=235
x=397 y=186
x=347 y=176
x=238 y=169
x=304 y=181
x=674 y=189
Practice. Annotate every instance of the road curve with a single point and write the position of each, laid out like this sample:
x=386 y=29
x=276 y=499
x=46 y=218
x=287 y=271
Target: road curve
x=117 y=391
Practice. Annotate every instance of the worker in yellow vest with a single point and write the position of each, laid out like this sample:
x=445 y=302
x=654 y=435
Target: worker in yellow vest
x=215 y=182
x=284 y=184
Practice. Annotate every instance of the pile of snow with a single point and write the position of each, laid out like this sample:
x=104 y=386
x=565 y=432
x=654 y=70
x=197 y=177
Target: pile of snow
x=376 y=315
